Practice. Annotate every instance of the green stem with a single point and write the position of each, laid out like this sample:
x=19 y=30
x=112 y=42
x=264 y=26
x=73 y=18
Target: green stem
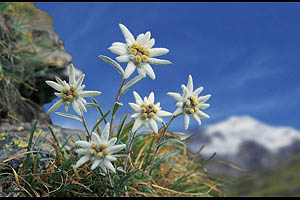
x=129 y=149
x=116 y=100
x=85 y=126
x=159 y=142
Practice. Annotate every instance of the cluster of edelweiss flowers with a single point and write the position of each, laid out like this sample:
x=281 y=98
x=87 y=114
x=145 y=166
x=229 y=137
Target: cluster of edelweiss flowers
x=139 y=54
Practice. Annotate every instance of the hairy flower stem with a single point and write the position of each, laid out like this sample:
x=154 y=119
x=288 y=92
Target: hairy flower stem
x=85 y=126
x=116 y=100
x=129 y=149
x=159 y=142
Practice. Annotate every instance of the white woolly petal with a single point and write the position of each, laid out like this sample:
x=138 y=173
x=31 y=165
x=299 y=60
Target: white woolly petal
x=180 y=104
x=175 y=96
x=203 y=106
x=124 y=58
x=140 y=38
x=162 y=113
x=146 y=122
x=178 y=111
x=82 y=151
x=149 y=70
x=89 y=93
x=58 y=104
x=129 y=42
x=186 y=121
x=76 y=108
x=129 y=70
x=202 y=114
x=156 y=61
x=118 y=50
x=157 y=105
x=95 y=164
x=110 y=158
x=105 y=134
x=146 y=101
x=153 y=125
x=156 y=118
x=135 y=107
x=147 y=37
x=203 y=99
x=101 y=165
x=116 y=148
x=112 y=141
x=197 y=91
x=190 y=84
x=72 y=75
x=54 y=85
x=150 y=43
x=141 y=71
x=138 y=98
x=137 y=124
x=126 y=33
x=119 y=44
x=81 y=161
x=67 y=107
x=135 y=115
x=81 y=106
x=197 y=119
x=79 y=81
x=66 y=85
x=158 y=52
x=96 y=138
x=151 y=97
x=80 y=88
x=108 y=165
x=83 y=144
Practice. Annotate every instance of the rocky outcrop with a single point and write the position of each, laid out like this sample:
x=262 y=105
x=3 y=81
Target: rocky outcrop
x=30 y=53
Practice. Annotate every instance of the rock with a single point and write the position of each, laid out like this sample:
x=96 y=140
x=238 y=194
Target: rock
x=30 y=53
x=14 y=143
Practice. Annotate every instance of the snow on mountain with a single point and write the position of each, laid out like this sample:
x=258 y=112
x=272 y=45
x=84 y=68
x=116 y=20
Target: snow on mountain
x=226 y=137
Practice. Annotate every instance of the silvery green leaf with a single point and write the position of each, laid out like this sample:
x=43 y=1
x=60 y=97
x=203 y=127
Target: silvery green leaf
x=131 y=83
x=173 y=140
x=91 y=105
x=113 y=63
x=69 y=116
x=165 y=157
x=116 y=106
x=121 y=156
x=143 y=133
x=121 y=169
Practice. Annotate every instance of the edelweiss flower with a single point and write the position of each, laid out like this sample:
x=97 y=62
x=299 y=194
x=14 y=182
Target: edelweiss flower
x=190 y=104
x=71 y=93
x=138 y=53
x=99 y=150
x=146 y=112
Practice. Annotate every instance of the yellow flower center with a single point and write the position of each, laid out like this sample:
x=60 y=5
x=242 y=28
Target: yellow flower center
x=103 y=145
x=140 y=52
x=99 y=155
x=191 y=105
x=68 y=95
x=94 y=144
x=148 y=111
x=106 y=151
x=92 y=151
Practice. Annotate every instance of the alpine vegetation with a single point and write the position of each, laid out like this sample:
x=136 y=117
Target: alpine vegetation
x=124 y=159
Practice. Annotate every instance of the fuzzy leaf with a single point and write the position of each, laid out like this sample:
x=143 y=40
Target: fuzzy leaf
x=69 y=116
x=113 y=63
x=131 y=83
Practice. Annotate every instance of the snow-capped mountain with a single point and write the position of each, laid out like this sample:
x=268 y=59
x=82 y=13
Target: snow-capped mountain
x=226 y=137
x=246 y=142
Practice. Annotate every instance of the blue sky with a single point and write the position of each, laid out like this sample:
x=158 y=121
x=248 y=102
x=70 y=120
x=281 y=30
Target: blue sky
x=247 y=55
